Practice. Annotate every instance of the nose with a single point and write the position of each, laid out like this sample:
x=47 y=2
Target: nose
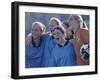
x=56 y=35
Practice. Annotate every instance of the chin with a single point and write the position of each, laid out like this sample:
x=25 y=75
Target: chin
x=57 y=42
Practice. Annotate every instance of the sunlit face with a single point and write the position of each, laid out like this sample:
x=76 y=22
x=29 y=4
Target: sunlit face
x=58 y=35
x=52 y=25
x=73 y=23
x=36 y=31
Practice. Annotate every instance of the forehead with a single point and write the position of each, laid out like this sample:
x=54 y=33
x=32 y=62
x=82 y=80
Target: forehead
x=71 y=18
x=36 y=26
x=57 y=31
x=52 y=21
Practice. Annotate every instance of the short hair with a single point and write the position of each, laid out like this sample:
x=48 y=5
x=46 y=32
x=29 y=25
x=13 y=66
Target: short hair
x=42 y=26
x=60 y=28
x=59 y=23
x=66 y=23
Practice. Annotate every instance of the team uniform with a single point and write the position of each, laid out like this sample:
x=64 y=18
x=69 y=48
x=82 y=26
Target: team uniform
x=49 y=45
x=34 y=54
x=64 y=55
x=80 y=38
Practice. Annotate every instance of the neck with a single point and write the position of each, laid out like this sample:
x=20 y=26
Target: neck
x=75 y=30
x=62 y=42
x=36 y=41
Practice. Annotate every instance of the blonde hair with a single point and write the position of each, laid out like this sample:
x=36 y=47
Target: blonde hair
x=80 y=20
x=42 y=26
x=59 y=23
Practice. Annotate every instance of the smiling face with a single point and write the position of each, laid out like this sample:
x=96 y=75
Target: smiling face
x=66 y=27
x=58 y=35
x=52 y=25
x=74 y=23
x=36 y=31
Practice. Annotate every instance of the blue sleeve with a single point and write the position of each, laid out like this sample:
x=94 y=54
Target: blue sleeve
x=33 y=57
x=47 y=60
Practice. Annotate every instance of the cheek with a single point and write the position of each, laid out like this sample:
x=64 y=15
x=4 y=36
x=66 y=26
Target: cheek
x=39 y=32
x=72 y=23
x=33 y=32
x=54 y=36
x=54 y=24
x=51 y=27
x=61 y=35
x=75 y=23
x=66 y=32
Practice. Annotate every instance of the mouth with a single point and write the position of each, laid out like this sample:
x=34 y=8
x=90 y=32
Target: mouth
x=57 y=39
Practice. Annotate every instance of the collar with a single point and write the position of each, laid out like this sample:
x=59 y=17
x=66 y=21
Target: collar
x=33 y=43
x=64 y=44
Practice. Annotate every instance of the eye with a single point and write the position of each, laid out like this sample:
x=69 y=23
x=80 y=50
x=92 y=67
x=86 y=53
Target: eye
x=58 y=33
x=54 y=33
x=33 y=30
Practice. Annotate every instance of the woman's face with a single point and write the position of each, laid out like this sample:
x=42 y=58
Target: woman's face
x=52 y=25
x=74 y=24
x=66 y=28
x=58 y=35
x=36 y=31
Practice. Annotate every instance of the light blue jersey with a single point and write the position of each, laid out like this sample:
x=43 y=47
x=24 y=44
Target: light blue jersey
x=34 y=55
x=64 y=56
x=49 y=45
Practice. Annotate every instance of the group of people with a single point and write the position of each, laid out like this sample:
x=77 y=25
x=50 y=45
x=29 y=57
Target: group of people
x=60 y=46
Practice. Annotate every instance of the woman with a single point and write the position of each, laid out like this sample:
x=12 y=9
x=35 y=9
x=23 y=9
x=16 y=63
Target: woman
x=63 y=53
x=35 y=46
x=69 y=32
x=50 y=42
x=53 y=23
x=81 y=36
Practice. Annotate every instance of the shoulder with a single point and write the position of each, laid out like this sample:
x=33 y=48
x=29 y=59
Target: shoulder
x=28 y=36
x=70 y=44
x=84 y=34
x=28 y=39
x=47 y=35
x=83 y=31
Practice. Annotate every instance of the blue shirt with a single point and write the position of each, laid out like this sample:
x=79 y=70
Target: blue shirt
x=49 y=45
x=34 y=55
x=64 y=56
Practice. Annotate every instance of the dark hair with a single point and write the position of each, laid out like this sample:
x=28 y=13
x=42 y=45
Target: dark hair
x=66 y=23
x=60 y=28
